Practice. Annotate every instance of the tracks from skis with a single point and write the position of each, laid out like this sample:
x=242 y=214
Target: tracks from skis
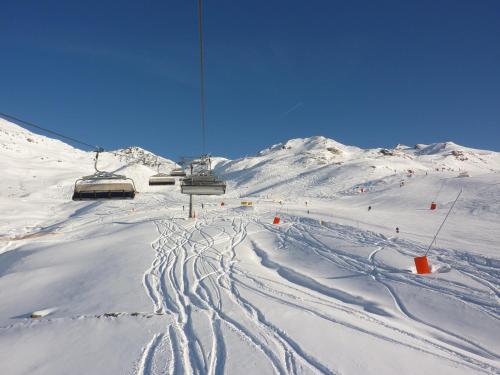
x=195 y=279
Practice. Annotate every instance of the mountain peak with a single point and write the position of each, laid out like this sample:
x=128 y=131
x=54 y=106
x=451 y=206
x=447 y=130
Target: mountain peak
x=312 y=144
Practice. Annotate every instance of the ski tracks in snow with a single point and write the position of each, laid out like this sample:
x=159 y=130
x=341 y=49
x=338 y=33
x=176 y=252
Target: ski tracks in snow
x=307 y=236
x=193 y=280
x=196 y=281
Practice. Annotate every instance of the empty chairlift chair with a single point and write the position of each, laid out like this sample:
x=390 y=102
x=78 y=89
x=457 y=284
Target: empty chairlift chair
x=103 y=185
x=161 y=179
x=178 y=172
x=201 y=181
x=203 y=184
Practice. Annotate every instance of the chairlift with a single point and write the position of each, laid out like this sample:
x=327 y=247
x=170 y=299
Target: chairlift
x=203 y=185
x=161 y=178
x=202 y=181
x=103 y=185
x=178 y=172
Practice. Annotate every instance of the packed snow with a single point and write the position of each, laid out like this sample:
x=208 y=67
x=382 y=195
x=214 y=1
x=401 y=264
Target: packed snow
x=134 y=287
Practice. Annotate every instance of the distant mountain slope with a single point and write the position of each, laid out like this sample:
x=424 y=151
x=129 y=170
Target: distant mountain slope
x=310 y=167
x=321 y=167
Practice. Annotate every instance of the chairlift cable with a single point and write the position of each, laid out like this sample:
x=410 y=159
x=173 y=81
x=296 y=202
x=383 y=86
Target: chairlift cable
x=201 y=180
x=72 y=139
x=5 y=115
x=202 y=75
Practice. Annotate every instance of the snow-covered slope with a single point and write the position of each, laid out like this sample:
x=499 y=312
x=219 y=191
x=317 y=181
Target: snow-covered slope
x=321 y=167
x=35 y=164
x=39 y=170
x=133 y=287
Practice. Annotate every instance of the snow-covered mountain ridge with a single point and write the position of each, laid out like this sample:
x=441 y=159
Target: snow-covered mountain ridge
x=314 y=166
x=321 y=167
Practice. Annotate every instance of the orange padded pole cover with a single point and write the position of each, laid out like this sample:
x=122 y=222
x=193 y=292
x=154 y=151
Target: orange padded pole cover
x=422 y=265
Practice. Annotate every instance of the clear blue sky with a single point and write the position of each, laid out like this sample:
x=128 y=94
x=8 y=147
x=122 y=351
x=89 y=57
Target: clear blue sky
x=368 y=73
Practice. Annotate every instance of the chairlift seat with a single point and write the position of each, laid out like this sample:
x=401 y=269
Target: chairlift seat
x=104 y=185
x=161 y=179
x=203 y=185
x=177 y=172
x=87 y=190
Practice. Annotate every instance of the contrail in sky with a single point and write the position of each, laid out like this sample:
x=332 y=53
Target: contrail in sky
x=290 y=110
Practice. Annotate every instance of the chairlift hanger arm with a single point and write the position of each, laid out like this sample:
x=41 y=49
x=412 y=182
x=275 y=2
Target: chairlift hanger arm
x=97 y=152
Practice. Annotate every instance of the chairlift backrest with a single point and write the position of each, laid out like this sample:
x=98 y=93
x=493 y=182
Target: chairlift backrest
x=203 y=184
x=161 y=179
x=103 y=185
x=177 y=172
x=110 y=189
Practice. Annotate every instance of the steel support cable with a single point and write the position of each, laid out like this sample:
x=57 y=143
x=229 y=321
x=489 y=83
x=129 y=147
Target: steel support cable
x=7 y=116
x=31 y=124
x=202 y=75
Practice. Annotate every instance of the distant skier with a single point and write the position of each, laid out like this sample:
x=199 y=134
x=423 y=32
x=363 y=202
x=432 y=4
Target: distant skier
x=182 y=208
x=397 y=229
x=369 y=208
x=202 y=206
